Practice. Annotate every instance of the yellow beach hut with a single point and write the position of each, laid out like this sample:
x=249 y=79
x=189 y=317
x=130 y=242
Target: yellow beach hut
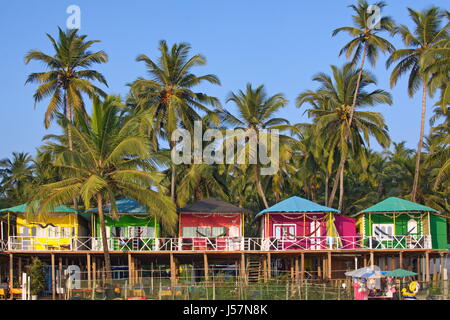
x=60 y=229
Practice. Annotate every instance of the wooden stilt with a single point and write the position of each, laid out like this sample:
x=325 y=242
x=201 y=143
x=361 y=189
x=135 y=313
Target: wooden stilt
x=88 y=265
x=60 y=271
x=365 y=261
x=206 y=266
x=173 y=268
x=269 y=266
x=264 y=262
x=401 y=259
x=11 y=270
x=435 y=269
x=297 y=278
x=302 y=264
x=243 y=272
x=292 y=269
x=53 y=277
x=130 y=269
x=393 y=264
x=427 y=266
x=319 y=268
x=19 y=269
x=372 y=258
x=94 y=271
x=330 y=276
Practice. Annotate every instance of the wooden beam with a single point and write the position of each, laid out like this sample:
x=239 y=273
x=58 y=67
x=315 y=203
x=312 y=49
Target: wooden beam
x=11 y=270
x=302 y=264
x=329 y=266
x=206 y=266
x=53 y=276
x=88 y=263
x=427 y=266
x=173 y=269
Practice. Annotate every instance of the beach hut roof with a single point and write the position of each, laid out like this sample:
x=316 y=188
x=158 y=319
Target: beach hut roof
x=212 y=205
x=23 y=208
x=394 y=204
x=295 y=205
x=126 y=205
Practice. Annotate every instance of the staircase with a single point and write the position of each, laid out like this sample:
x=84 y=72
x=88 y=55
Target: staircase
x=254 y=269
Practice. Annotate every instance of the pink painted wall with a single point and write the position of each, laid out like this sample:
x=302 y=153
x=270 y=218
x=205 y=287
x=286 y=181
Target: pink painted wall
x=302 y=229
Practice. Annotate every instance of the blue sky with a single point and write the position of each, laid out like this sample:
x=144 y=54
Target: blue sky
x=281 y=44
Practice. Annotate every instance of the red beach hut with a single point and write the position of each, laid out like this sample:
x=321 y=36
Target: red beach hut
x=211 y=224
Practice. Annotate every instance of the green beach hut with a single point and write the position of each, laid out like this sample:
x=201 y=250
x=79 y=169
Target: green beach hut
x=134 y=228
x=396 y=223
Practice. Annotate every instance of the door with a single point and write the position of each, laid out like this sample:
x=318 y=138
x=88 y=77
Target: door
x=285 y=233
x=315 y=235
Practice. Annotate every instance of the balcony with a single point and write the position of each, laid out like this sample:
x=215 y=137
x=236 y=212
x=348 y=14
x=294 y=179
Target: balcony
x=227 y=244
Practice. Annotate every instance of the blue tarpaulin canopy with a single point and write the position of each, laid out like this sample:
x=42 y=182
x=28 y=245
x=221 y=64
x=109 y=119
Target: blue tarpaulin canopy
x=295 y=205
x=126 y=205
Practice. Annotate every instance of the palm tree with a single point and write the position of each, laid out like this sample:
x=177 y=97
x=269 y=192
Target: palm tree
x=366 y=43
x=16 y=173
x=169 y=95
x=110 y=156
x=69 y=75
x=255 y=112
x=331 y=110
x=427 y=35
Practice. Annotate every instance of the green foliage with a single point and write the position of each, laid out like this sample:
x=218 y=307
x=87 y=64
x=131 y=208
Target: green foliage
x=37 y=276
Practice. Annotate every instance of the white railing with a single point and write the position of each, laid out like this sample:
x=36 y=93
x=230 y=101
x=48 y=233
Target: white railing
x=18 y=243
x=3 y=245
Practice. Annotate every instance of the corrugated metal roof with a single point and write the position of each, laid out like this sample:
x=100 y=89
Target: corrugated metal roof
x=212 y=205
x=297 y=204
x=394 y=204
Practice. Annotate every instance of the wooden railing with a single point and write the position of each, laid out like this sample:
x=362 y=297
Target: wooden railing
x=18 y=243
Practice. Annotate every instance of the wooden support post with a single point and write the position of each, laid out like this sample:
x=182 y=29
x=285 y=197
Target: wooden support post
x=173 y=270
x=19 y=269
x=297 y=278
x=324 y=267
x=53 y=277
x=435 y=274
x=264 y=261
x=242 y=268
x=330 y=276
x=60 y=271
x=302 y=265
x=372 y=258
x=130 y=269
x=419 y=268
x=269 y=266
x=206 y=266
x=365 y=261
x=393 y=263
x=319 y=268
x=441 y=266
x=11 y=270
x=427 y=266
x=94 y=271
x=88 y=264
x=401 y=259
x=292 y=269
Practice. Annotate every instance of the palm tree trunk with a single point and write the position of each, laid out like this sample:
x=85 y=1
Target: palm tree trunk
x=69 y=116
x=327 y=179
x=415 y=188
x=340 y=172
x=104 y=238
x=341 y=190
x=259 y=186
x=173 y=177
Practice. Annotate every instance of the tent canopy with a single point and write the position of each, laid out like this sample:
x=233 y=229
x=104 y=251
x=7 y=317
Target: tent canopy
x=212 y=205
x=23 y=209
x=394 y=204
x=297 y=205
x=358 y=273
x=400 y=273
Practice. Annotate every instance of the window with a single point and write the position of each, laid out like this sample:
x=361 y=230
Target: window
x=66 y=232
x=383 y=231
x=203 y=232
x=53 y=232
x=24 y=232
x=141 y=232
x=412 y=227
x=189 y=232
x=285 y=232
x=119 y=232
x=219 y=232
